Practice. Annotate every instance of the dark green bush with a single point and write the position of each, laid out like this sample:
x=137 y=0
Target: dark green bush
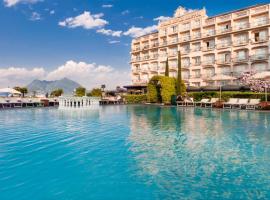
x=135 y=98
x=226 y=95
x=164 y=92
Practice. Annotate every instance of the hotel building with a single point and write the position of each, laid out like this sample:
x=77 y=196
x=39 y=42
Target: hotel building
x=215 y=50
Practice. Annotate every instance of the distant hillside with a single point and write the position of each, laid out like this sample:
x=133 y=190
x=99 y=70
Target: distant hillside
x=48 y=86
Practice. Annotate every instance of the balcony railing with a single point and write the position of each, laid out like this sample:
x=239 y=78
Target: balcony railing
x=209 y=22
x=241 y=14
x=259 y=57
x=136 y=71
x=146 y=57
x=241 y=26
x=146 y=47
x=260 y=9
x=136 y=59
x=136 y=49
x=185 y=38
x=240 y=59
x=209 y=48
x=174 y=41
x=260 y=23
x=224 y=61
x=186 y=65
x=223 y=45
x=209 y=33
x=224 y=30
x=154 y=68
x=154 y=45
x=208 y=62
x=185 y=51
x=154 y=56
x=240 y=42
x=197 y=36
x=224 y=18
x=259 y=40
x=163 y=43
x=136 y=81
x=172 y=54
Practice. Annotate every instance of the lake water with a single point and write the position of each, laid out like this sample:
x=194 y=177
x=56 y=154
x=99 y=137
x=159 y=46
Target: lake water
x=134 y=152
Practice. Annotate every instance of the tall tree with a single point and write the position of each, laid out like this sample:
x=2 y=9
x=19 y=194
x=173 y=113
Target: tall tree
x=95 y=92
x=167 y=68
x=80 y=91
x=23 y=90
x=179 y=75
x=58 y=92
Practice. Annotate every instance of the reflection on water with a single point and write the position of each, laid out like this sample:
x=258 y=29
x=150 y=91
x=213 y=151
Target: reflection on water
x=202 y=154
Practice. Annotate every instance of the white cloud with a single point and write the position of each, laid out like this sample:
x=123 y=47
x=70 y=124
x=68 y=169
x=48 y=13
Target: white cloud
x=161 y=18
x=114 y=41
x=125 y=12
x=110 y=32
x=10 y=3
x=35 y=16
x=52 y=12
x=87 y=74
x=107 y=6
x=137 y=31
x=85 y=20
x=19 y=76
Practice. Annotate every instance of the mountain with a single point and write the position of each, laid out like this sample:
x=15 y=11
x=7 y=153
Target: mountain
x=43 y=86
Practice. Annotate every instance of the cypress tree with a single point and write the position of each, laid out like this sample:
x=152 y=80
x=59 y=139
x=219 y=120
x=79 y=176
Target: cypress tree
x=167 y=68
x=179 y=75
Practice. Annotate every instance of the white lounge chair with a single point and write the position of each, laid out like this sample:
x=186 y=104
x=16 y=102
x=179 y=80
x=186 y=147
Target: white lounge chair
x=231 y=103
x=190 y=102
x=181 y=103
x=253 y=104
x=211 y=102
x=241 y=103
x=202 y=102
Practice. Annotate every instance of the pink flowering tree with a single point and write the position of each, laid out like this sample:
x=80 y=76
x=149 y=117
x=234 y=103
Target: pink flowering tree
x=255 y=85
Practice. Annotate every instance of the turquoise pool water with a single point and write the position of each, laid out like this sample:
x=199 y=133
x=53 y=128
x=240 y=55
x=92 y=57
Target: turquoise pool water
x=134 y=152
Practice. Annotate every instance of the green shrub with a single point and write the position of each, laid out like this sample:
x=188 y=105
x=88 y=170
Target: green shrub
x=226 y=95
x=161 y=89
x=135 y=98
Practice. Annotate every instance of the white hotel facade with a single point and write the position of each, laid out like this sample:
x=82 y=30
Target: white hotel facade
x=215 y=50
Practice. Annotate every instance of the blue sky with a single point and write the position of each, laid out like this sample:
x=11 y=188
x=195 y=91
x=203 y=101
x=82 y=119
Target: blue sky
x=45 y=38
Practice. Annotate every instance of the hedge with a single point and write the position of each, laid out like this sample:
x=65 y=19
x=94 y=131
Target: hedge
x=135 y=98
x=226 y=95
x=164 y=92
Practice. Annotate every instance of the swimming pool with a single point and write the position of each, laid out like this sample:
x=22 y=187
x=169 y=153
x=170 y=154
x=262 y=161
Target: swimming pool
x=134 y=152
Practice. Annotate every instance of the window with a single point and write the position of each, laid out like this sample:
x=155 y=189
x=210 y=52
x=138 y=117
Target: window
x=197 y=73
x=260 y=36
x=210 y=44
x=241 y=55
x=225 y=70
x=210 y=72
x=197 y=60
x=174 y=29
x=197 y=46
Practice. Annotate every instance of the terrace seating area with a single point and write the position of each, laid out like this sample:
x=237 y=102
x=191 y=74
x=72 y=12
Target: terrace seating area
x=232 y=103
x=17 y=102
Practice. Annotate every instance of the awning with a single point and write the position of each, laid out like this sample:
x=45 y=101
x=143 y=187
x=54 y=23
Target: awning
x=10 y=91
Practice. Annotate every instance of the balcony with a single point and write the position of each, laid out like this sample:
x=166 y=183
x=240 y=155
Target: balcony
x=163 y=43
x=173 y=54
x=186 y=65
x=139 y=82
x=259 y=40
x=154 y=56
x=136 y=49
x=240 y=59
x=223 y=45
x=241 y=14
x=241 y=27
x=195 y=76
x=147 y=57
x=196 y=25
x=258 y=57
x=145 y=70
x=224 y=30
x=173 y=67
x=208 y=48
x=145 y=47
x=209 y=33
x=208 y=76
x=185 y=38
x=138 y=59
x=154 y=45
x=174 y=41
x=173 y=31
x=240 y=42
x=224 y=61
x=224 y=18
x=208 y=62
x=154 y=69
x=209 y=22
x=260 y=23
x=260 y=9
x=197 y=36
x=136 y=71
x=185 y=51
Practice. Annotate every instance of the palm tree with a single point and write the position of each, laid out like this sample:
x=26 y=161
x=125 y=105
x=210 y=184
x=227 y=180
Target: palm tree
x=167 y=68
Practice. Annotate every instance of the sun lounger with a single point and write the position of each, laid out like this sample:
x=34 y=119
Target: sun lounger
x=189 y=102
x=253 y=104
x=211 y=102
x=181 y=103
x=241 y=103
x=231 y=103
x=202 y=102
